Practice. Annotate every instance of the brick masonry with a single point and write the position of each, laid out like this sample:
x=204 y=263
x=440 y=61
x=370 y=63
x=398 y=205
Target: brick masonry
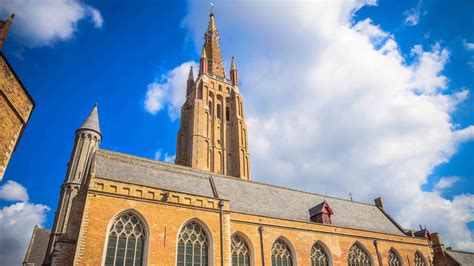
x=106 y=199
x=15 y=109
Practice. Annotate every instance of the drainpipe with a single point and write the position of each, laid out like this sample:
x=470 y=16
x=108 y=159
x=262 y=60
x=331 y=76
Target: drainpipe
x=260 y=231
x=221 y=205
x=378 y=253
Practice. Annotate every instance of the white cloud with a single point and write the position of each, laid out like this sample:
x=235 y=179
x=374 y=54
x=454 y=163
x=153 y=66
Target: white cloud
x=17 y=222
x=12 y=191
x=158 y=155
x=344 y=106
x=469 y=46
x=96 y=17
x=412 y=16
x=169 y=92
x=445 y=183
x=40 y=23
x=168 y=158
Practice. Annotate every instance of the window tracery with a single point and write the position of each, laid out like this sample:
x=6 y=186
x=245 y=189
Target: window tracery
x=393 y=259
x=193 y=245
x=319 y=257
x=281 y=254
x=358 y=256
x=419 y=260
x=240 y=251
x=126 y=241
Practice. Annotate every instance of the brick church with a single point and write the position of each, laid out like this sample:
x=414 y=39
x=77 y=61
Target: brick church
x=119 y=209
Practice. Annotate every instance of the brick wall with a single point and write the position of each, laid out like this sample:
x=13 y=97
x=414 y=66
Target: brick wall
x=15 y=110
x=106 y=199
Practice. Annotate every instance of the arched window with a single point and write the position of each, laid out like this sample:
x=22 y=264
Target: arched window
x=419 y=260
x=394 y=259
x=357 y=256
x=240 y=251
x=193 y=245
x=281 y=254
x=199 y=94
x=126 y=242
x=219 y=114
x=227 y=113
x=319 y=257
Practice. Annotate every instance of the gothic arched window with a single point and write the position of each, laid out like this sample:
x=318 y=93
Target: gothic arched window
x=281 y=253
x=357 y=256
x=394 y=259
x=126 y=242
x=240 y=251
x=419 y=260
x=193 y=245
x=319 y=257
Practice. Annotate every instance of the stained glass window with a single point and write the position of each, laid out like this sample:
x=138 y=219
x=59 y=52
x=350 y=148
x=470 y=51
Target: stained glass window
x=319 y=257
x=126 y=241
x=193 y=245
x=419 y=260
x=358 y=256
x=281 y=254
x=240 y=251
x=393 y=259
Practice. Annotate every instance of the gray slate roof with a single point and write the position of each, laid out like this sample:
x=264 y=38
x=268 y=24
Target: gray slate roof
x=245 y=196
x=461 y=257
x=92 y=121
x=37 y=247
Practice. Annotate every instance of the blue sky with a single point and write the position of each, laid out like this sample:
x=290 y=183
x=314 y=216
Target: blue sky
x=118 y=53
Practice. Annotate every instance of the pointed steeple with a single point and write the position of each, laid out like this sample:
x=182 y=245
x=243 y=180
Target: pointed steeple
x=213 y=51
x=190 y=82
x=203 y=52
x=92 y=121
x=233 y=72
x=191 y=74
x=232 y=64
x=4 y=29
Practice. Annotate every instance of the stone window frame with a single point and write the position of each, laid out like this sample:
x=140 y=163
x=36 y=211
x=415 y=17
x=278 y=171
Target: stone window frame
x=326 y=251
x=249 y=246
x=146 y=228
x=420 y=255
x=294 y=261
x=364 y=249
x=210 y=239
x=397 y=255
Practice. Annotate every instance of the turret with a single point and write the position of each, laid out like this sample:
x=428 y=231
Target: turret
x=233 y=73
x=86 y=143
x=203 y=64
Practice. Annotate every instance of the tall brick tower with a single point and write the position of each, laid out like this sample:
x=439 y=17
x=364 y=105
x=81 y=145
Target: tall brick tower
x=213 y=132
x=16 y=104
x=68 y=214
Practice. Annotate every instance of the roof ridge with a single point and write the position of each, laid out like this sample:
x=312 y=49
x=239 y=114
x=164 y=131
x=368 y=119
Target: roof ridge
x=206 y=175
x=460 y=251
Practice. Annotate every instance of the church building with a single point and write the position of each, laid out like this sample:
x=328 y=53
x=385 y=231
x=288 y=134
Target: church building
x=119 y=209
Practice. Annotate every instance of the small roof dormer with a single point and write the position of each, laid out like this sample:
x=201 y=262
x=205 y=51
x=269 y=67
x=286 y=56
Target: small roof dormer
x=321 y=213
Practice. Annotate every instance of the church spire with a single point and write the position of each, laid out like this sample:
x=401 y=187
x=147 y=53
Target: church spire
x=212 y=49
x=5 y=28
x=92 y=121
